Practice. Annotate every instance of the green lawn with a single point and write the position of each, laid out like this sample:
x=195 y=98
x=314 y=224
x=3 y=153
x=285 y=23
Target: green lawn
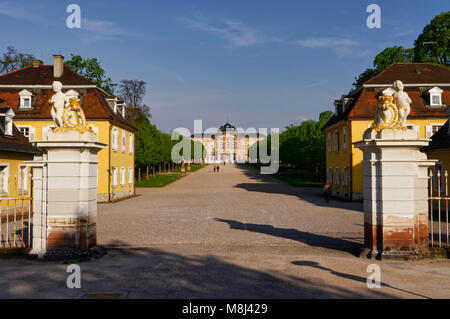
x=298 y=181
x=163 y=179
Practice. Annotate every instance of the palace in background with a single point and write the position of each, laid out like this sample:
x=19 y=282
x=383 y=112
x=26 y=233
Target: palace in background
x=427 y=85
x=228 y=144
x=28 y=90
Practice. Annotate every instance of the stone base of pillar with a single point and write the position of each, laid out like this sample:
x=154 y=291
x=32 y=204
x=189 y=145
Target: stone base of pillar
x=404 y=238
x=71 y=233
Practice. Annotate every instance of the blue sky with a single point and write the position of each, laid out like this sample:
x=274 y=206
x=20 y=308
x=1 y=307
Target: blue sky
x=256 y=63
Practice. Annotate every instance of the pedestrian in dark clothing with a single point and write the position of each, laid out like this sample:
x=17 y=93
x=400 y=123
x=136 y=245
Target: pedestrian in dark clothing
x=214 y=169
x=217 y=168
x=327 y=191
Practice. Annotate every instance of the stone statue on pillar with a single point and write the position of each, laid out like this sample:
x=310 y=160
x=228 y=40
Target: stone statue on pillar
x=58 y=102
x=403 y=103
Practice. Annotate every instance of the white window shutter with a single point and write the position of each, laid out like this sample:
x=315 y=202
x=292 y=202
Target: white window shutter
x=32 y=134
x=428 y=131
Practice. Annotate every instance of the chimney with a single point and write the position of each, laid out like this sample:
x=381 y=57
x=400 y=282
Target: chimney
x=58 y=65
x=36 y=63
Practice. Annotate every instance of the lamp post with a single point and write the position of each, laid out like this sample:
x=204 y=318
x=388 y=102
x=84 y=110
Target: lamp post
x=437 y=48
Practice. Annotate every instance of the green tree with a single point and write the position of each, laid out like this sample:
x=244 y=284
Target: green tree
x=383 y=60
x=90 y=68
x=437 y=31
x=13 y=60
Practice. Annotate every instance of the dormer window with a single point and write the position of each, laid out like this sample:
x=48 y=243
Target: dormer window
x=25 y=99
x=6 y=121
x=9 y=126
x=435 y=96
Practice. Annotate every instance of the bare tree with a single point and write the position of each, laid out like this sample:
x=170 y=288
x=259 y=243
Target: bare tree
x=13 y=60
x=133 y=92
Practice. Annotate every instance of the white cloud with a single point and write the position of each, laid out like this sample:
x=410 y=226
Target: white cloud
x=236 y=33
x=102 y=27
x=17 y=12
x=300 y=119
x=333 y=43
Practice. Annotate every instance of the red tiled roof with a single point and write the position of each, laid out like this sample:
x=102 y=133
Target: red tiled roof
x=17 y=143
x=93 y=100
x=412 y=73
x=42 y=75
x=366 y=106
x=423 y=75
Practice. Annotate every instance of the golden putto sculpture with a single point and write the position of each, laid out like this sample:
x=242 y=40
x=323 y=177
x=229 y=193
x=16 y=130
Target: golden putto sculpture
x=73 y=118
x=393 y=109
x=67 y=113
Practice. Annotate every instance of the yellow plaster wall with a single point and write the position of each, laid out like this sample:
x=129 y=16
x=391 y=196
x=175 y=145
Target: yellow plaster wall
x=13 y=160
x=118 y=158
x=341 y=158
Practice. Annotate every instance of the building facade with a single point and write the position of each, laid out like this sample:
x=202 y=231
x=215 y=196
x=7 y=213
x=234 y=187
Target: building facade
x=427 y=85
x=15 y=149
x=228 y=144
x=28 y=91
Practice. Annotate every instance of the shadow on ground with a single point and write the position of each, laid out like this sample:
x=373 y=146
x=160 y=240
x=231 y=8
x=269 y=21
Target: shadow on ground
x=271 y=185
x=313 y=240
x=154 y=273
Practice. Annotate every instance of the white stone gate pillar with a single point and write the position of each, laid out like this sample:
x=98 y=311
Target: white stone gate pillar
x=395 y=193
x=69 y=193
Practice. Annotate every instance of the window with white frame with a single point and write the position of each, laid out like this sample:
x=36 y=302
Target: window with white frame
x=122 y=176
x=344 y=137
x=432 y=129
x=115 y=139
x=23 y=179
x=4 y=179
x=27 y=131
x=345 y=176
x=114 y=176
x=329 y=142
x=435 y=96
x=337 y=176
x=336 y=141
x=330 y=175
x=123 y=141
x=131 y=146
x=130 y=175
x=25 y=99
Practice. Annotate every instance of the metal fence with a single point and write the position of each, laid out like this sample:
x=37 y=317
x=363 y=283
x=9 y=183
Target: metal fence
x=16 y=213
x=438 y=208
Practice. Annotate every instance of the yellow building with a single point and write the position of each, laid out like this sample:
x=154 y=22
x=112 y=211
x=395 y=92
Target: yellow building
x=439 y=149
x=428 y=87
x=15 y=149
x=28 y=91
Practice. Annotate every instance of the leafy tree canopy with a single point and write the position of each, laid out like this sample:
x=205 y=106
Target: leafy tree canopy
x=438 y=30
x=90 y=68
x=432 y=45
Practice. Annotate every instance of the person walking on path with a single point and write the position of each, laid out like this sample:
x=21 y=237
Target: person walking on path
x=217 y=168
x=327 y=191
x=214 y=168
